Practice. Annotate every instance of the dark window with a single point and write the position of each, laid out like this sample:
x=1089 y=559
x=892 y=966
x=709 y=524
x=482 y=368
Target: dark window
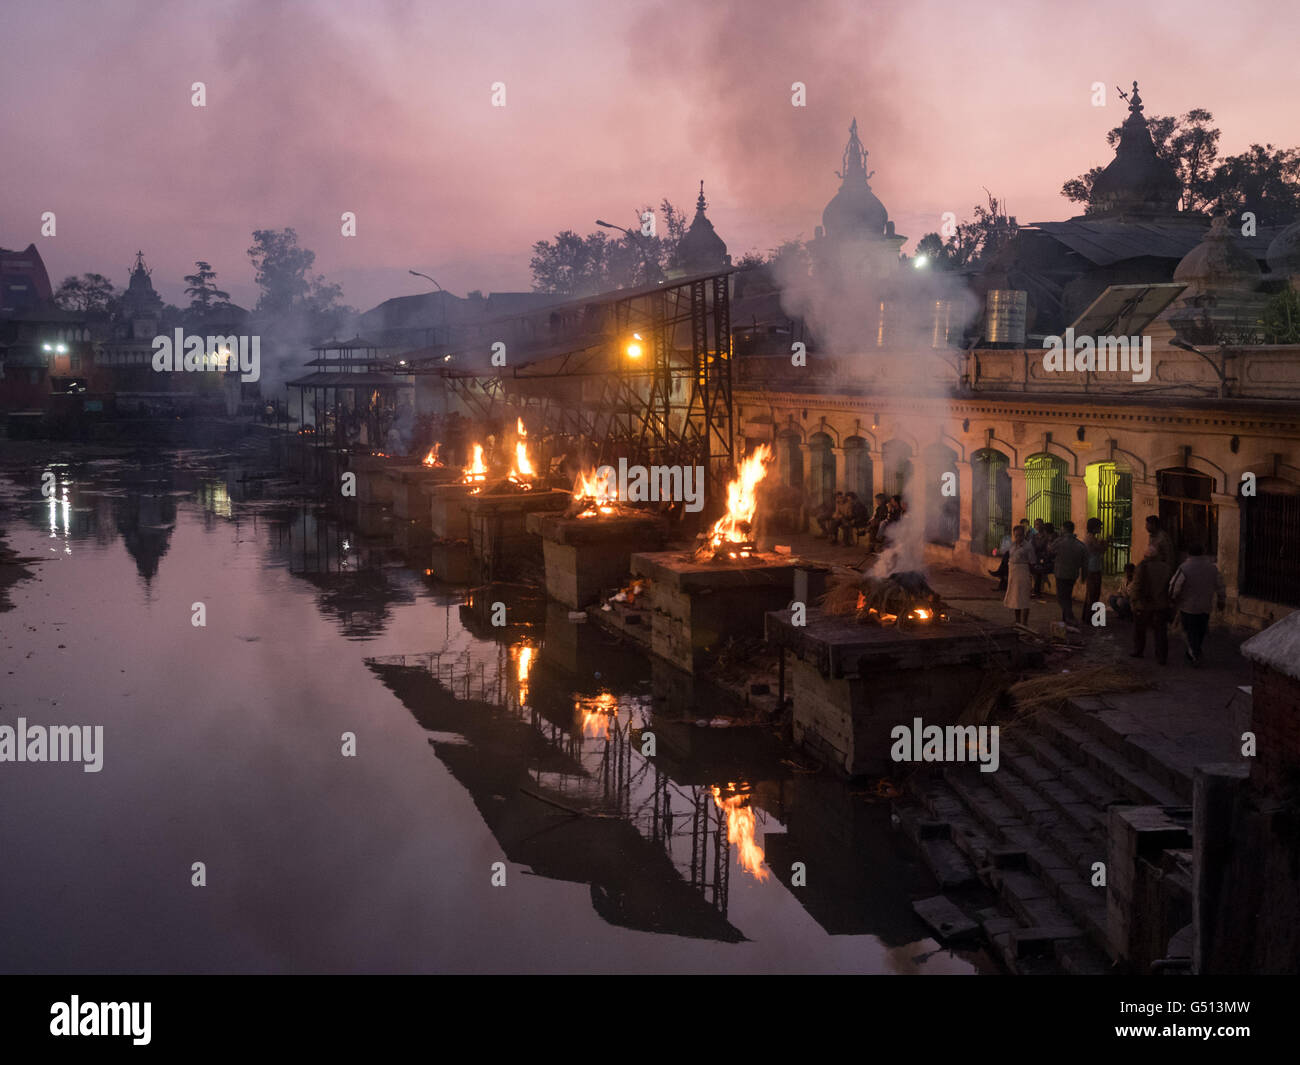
x=1186 y=510
x=1270 y=544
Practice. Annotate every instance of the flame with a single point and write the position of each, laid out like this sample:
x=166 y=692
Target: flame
x=431 y=459
x=476 y=471
x=597 y=717
x=740 y=831
x=742 y=500
x=522 y=468
x=599 y=494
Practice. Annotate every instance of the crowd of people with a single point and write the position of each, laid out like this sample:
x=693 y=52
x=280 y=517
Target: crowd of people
x=846 y=517
x=1155 y=590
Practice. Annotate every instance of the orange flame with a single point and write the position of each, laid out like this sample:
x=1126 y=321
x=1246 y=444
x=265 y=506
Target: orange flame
x=598 y=715
x=522 y=468
x=431 y=459
x=600 y=493
x=742 y=500
x=476 y=471
x=740 y=831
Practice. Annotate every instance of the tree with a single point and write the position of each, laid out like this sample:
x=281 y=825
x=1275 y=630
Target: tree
x=573 y=265
x=1262 y=179
x=204 y=295
x=88 y=293
x=973 y=242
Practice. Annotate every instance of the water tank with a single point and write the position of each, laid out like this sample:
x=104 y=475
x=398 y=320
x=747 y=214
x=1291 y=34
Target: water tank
x=941 y=324
x=1005 y=310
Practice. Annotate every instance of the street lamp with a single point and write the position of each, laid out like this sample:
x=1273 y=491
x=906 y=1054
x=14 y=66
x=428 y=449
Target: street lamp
x=446 y=337
x=652 y=271
x=1178 y=342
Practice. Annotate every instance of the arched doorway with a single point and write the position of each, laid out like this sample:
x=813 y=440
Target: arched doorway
x=1270 y=542
x=942 y=512
x=990 y=502
x=1187 y=510
x=1110 y=498
x=1047 y=492
x=821 y=468
x=789 y=460
x=857 y=468
x=897 y=457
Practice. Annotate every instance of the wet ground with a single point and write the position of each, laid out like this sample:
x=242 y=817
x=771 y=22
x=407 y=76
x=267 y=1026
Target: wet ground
x=529 y=746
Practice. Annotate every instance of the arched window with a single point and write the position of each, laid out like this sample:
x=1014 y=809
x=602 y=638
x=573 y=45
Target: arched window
x=897 y=457
x=1110 y=498
x=1047 y=492
x=858 y=474
x=821 y=468
x=1187 y=511
x=1270 y=542
x=990 y=500
x=942 y=511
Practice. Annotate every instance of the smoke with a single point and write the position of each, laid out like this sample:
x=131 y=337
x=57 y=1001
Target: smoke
x=905 y=540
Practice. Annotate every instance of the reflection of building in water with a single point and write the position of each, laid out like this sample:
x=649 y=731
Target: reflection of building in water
x=348 y=571
x=145 y=517
x=561 y=783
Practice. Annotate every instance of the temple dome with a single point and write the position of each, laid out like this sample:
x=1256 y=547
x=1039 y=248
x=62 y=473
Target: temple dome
x=1218 y=263
x=701 y=248
x=855 y=211
x=1283 y=253
x=1137 y=181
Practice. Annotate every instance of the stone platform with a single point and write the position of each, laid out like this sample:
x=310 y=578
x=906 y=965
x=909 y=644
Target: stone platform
x=852 y=683
x=697 y=605
x=586 y=556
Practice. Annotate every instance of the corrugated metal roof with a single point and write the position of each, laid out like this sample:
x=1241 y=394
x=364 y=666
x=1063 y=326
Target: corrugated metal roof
x=349 y=380
x=1107 y=241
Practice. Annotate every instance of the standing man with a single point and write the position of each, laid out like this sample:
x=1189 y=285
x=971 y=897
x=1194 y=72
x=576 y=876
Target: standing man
x=1151 y=605
x=1195 y=585
x=1159 y=539
x=1096 y=555
x=1071 y=563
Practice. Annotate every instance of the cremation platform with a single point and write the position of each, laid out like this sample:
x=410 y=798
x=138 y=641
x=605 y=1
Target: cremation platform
x=585 y=556
x=448 y=510
x=696 y=605
x=497 y=529
x=409 y=487
x=852 y=683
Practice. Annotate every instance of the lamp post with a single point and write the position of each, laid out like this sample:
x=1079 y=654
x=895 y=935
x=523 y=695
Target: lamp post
x=446 y=338
x=652 y=270
x=1222 y=374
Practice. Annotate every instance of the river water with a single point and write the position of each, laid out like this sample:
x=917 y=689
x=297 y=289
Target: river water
x=448 y=841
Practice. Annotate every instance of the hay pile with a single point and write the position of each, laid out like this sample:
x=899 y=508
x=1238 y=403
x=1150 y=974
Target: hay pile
x=1051 y=692
x=841 y=598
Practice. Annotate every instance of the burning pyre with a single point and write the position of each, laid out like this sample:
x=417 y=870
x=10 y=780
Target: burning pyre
x=521 y=473
x=901 y=599
x=432 y=459
x=593 y=496
x=476 y=472
x=731 y=536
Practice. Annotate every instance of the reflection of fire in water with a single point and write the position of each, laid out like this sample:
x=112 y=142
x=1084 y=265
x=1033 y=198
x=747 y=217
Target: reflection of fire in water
x=522 y=470
x=594 y=495
x=476 y=471
x=597 y=715
x=431 y=459
x=525 y=662
x=732 y=533
x=740 y=831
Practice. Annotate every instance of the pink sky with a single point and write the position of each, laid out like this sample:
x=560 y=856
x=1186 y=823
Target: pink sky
x=384 y=109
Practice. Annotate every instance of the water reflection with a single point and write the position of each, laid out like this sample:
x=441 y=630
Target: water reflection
x=580 y=757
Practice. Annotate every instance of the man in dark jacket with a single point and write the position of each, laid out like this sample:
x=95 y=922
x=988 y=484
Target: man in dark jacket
x=1071 y=563
x=1151 y=604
